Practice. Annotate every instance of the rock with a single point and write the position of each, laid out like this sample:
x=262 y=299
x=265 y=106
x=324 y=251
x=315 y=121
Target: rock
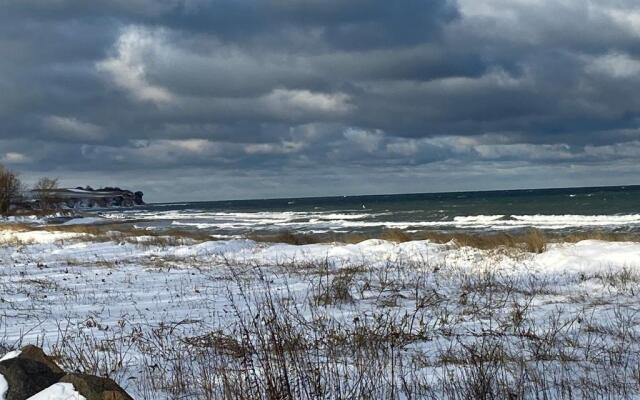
x=137 y=198
x=95 y=388
x=29 y=373
x=83 y=198
x=36 y=354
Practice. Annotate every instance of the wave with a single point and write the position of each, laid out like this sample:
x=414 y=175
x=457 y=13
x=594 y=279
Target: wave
x=547 y=221
x=263 y=216
x=332 y=220
x=579 y=219
x=477 y=219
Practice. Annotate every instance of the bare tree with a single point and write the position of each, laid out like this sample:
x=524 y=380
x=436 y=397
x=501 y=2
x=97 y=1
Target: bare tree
x=44 y=191
x=10 y=188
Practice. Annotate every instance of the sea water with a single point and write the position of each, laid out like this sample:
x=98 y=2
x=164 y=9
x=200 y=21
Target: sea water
x=571 y=209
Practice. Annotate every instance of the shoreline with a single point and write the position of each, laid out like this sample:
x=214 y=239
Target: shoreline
x=481 y=239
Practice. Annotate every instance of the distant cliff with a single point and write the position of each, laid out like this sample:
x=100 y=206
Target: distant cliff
x=87 y=198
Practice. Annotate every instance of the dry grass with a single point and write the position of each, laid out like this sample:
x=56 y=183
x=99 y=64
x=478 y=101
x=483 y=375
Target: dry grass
x=277 y=348
x=532 y=240
x=396 y=235
x=535 y=241
x=287 y=237
x=336 y=290
x=118 y=231
x=595 y=235
x=16 y=227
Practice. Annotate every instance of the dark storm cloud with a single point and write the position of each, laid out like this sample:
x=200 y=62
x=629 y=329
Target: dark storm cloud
x=479 y=91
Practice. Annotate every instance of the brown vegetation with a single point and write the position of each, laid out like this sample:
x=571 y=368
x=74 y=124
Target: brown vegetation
x=118 y=232
x=532 y=240
x=10 y=188
x=44 y=190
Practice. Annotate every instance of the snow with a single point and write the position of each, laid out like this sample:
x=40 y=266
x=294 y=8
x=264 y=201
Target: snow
x=35 y=237
x=4 y=387
x=74 y=190
x=52 y=281
x=589 y=256
x=85 y=221
x=23 y=219
x=11 y=354
x=58 y=391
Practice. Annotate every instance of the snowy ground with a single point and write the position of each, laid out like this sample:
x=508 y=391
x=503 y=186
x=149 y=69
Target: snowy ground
x=239 y=319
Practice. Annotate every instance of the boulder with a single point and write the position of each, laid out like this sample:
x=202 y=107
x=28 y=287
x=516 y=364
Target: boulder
x=36 y=354
x=28 y=373
x=96 y=388
x=137 y=198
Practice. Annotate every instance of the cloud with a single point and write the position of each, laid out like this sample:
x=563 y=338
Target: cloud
x=127 y=69
x=366 y=140
x=141 y=153
x=617 y=66
x=462 y=93
x=14 y=158
x=72 y=128
x=284 y=101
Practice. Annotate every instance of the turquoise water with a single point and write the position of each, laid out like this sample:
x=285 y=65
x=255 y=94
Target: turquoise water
x=607 y=208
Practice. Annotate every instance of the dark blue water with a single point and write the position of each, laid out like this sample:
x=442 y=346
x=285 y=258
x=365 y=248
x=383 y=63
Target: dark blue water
x=607 y=208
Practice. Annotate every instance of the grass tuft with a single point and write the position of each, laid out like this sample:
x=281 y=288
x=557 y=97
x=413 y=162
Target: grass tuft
x=535 y=241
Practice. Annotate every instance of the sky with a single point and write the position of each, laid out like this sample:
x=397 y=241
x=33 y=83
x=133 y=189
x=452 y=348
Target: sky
x=231 y=99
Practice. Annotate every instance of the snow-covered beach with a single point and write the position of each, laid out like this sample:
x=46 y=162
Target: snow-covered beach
x=178 y=317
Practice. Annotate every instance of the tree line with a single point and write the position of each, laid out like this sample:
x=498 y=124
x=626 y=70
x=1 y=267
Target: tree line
x=12 y=192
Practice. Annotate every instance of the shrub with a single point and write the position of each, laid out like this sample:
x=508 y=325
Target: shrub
x=10 y=188
x=44 y=191
x=535 y=241
x=396 y=235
